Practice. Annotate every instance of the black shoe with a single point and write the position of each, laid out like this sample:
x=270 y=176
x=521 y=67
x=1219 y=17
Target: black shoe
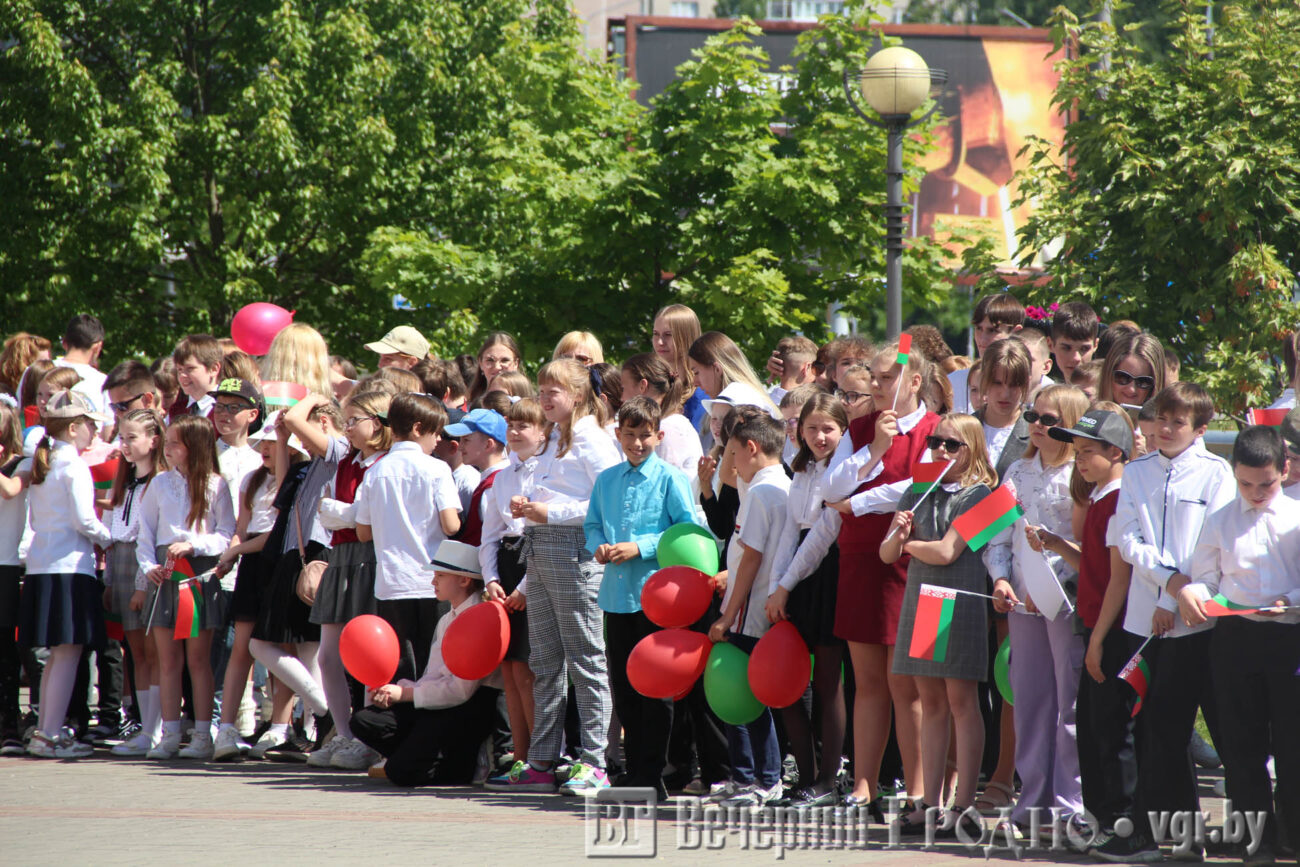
x=875 y=810
x=964 y=821
x=908 y=828
x=811 y=797
x=324 y=731
x=1134 y=849
x=12 y=747
x=295 y=749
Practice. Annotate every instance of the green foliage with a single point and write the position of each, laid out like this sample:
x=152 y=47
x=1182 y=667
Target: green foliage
x=1180 y=206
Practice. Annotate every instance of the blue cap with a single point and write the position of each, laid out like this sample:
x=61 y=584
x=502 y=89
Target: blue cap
x=484 y=421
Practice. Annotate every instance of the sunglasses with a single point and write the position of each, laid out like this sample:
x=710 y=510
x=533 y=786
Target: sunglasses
x=1123 y=378
x=1046 y=418
x=125 y=405
x=950 y=446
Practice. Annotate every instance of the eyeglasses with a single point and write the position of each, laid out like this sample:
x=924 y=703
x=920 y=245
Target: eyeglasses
x=852 y=396
x=125 y=405
x=791 y=424
x=1124 y=378
x=497 y=362
x=1047 y=419
x=350 y=423
x=231 y=408
x=950 y=446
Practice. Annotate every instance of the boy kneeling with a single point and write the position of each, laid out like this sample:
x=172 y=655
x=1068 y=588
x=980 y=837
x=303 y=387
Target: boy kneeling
x=430 y=729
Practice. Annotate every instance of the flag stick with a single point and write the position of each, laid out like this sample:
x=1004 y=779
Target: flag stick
x=1060 y=586
x=916 y=505
x=157 y=592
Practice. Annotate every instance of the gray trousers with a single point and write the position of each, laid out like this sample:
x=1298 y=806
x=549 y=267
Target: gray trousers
x=565 y=634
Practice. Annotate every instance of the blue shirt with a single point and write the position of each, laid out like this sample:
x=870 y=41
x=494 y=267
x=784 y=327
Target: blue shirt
x=693 y=408
x=635 y=504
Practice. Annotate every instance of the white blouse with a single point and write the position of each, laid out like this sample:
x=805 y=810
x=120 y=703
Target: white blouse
x=162 y=519
x=804 y=507
x=565 y=482
x=518 y=479
x=263 y=514
x=1044 y=494
x=65 y=528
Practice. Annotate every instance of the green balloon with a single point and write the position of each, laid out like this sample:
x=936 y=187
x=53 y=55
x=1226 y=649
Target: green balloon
x=1002 y=671
x=726 y=685
x=689 y=545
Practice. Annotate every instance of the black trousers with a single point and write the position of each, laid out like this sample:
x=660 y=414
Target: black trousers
x=1106 y=733
x=414 y=621
x=1181 y=681
x=428 y=747
x=647 y=722
x=1258 y=696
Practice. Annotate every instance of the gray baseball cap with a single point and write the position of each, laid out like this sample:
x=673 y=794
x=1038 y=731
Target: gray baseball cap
x=1100 y=426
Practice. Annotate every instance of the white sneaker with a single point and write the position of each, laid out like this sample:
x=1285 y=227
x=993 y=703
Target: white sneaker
x=265 y=742
x=321 y=758
x=229 y=746
x=720 y=792
x=135 y=748
x=167 y=748
x=200 y=747
x=753 y=795
x=42 y=746
x=356 y=756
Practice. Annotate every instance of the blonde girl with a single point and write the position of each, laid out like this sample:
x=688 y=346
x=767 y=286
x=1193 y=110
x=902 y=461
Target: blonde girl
x=347 y=589
x=62 y=607
x=1048 y=652
x=501 y=557
x=187 y=518
x=939 y=556
x=564 y=620
x=675 y=328
x=141 y=438
x=716 y=362
x=581 y=346
x=299 y=354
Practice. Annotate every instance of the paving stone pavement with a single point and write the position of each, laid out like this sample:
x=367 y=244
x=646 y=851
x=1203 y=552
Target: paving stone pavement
x=105 y=811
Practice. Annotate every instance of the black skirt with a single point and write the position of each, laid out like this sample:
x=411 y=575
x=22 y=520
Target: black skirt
x=511 y=567
x=11 y=585
x=62 y=609
x=250 y=583
x=284 y=618
x=347 y=589
x=811 y=606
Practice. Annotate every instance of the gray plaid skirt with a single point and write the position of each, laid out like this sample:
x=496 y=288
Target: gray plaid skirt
x=120 y=569
x=162 y=600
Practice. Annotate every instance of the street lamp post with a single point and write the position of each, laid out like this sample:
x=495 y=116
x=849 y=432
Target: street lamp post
x=894 y=83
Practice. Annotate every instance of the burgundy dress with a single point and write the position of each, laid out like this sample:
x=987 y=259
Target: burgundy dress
x=870 y=594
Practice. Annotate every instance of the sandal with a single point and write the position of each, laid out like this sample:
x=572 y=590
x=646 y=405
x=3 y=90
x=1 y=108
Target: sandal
x=995 y=796
x=908 y=828
x=957 y=818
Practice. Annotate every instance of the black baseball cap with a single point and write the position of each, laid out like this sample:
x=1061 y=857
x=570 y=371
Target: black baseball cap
x=235 y=387
x=1100 y=426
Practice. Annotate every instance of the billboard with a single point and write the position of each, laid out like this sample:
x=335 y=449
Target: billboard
x=999 y=92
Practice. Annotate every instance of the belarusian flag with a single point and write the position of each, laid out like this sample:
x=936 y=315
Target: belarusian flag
x=283 y=394
x=934 y=610
x=1221 y=606
x=926 y=476
x=1137 y=674
x=103 y=474
x=904 y=348
x=113 y=626
x=1266 y=417
x=990 y=516
x=189 y=602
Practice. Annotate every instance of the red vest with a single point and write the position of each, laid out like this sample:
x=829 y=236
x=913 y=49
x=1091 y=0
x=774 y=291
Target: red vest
x=346 y=481
x=471 y=531
x=1094 y=559
x=863 y=535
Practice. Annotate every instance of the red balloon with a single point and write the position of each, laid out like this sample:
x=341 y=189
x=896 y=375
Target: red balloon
x=676 y=596
x=475 y=643
x=779 y=667
x=667 y=663
x=255 y=326
x=369 y=649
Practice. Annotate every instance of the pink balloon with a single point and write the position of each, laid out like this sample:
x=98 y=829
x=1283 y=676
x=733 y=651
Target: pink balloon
x=369 y=649
x=256 y=324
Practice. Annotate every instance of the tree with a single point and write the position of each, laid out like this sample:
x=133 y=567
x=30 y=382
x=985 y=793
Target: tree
x=1179 y=205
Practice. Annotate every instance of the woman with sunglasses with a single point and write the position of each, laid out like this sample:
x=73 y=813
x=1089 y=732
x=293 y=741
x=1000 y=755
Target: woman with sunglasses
x=1047 y=651
x=1133 y=372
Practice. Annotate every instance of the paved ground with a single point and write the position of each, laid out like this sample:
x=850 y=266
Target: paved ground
x=103 y=811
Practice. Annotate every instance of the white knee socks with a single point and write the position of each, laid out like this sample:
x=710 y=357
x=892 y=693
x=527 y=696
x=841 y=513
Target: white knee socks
x=292 y=671
x=334 y=679
x=56 y=687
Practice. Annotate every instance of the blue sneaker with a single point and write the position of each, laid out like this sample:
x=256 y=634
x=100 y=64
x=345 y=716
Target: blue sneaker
x=584 y=780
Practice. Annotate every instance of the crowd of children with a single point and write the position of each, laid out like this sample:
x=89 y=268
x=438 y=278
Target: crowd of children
x=220 y=518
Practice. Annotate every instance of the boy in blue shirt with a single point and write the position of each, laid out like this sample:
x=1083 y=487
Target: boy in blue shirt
x=631 y=506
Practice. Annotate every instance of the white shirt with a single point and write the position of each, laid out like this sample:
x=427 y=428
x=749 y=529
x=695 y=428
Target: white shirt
x=124 y=521
x=1044 y=493
x=1162 y=505
x=438 y=687
x=758 y=526
x=205 y=405
x=804 y=508
x=64 y=526
x=263 y=514
x=14 y=527
x=565 y=482
x=842 y=472
x=91 y=385
x=960 y=382
x=776 y=392
x=995 y=440
x=401 y=498
x=236 y=463
x=518 y=479
x=163 y=512
x=466 y=479
x=1251 y=556
x=1286 y=400
x=336 y=514
x=681 y=447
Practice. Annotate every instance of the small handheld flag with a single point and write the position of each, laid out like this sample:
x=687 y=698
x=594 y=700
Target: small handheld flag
x=283 y=394
x=1137 y=674
x=1266 y=417
x=104 y=474
x=926 y=476
x=189 y=602
x=113 y=626
x=904 y=348
x=990 y=516
x=934 y=610
x=1222 y=606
